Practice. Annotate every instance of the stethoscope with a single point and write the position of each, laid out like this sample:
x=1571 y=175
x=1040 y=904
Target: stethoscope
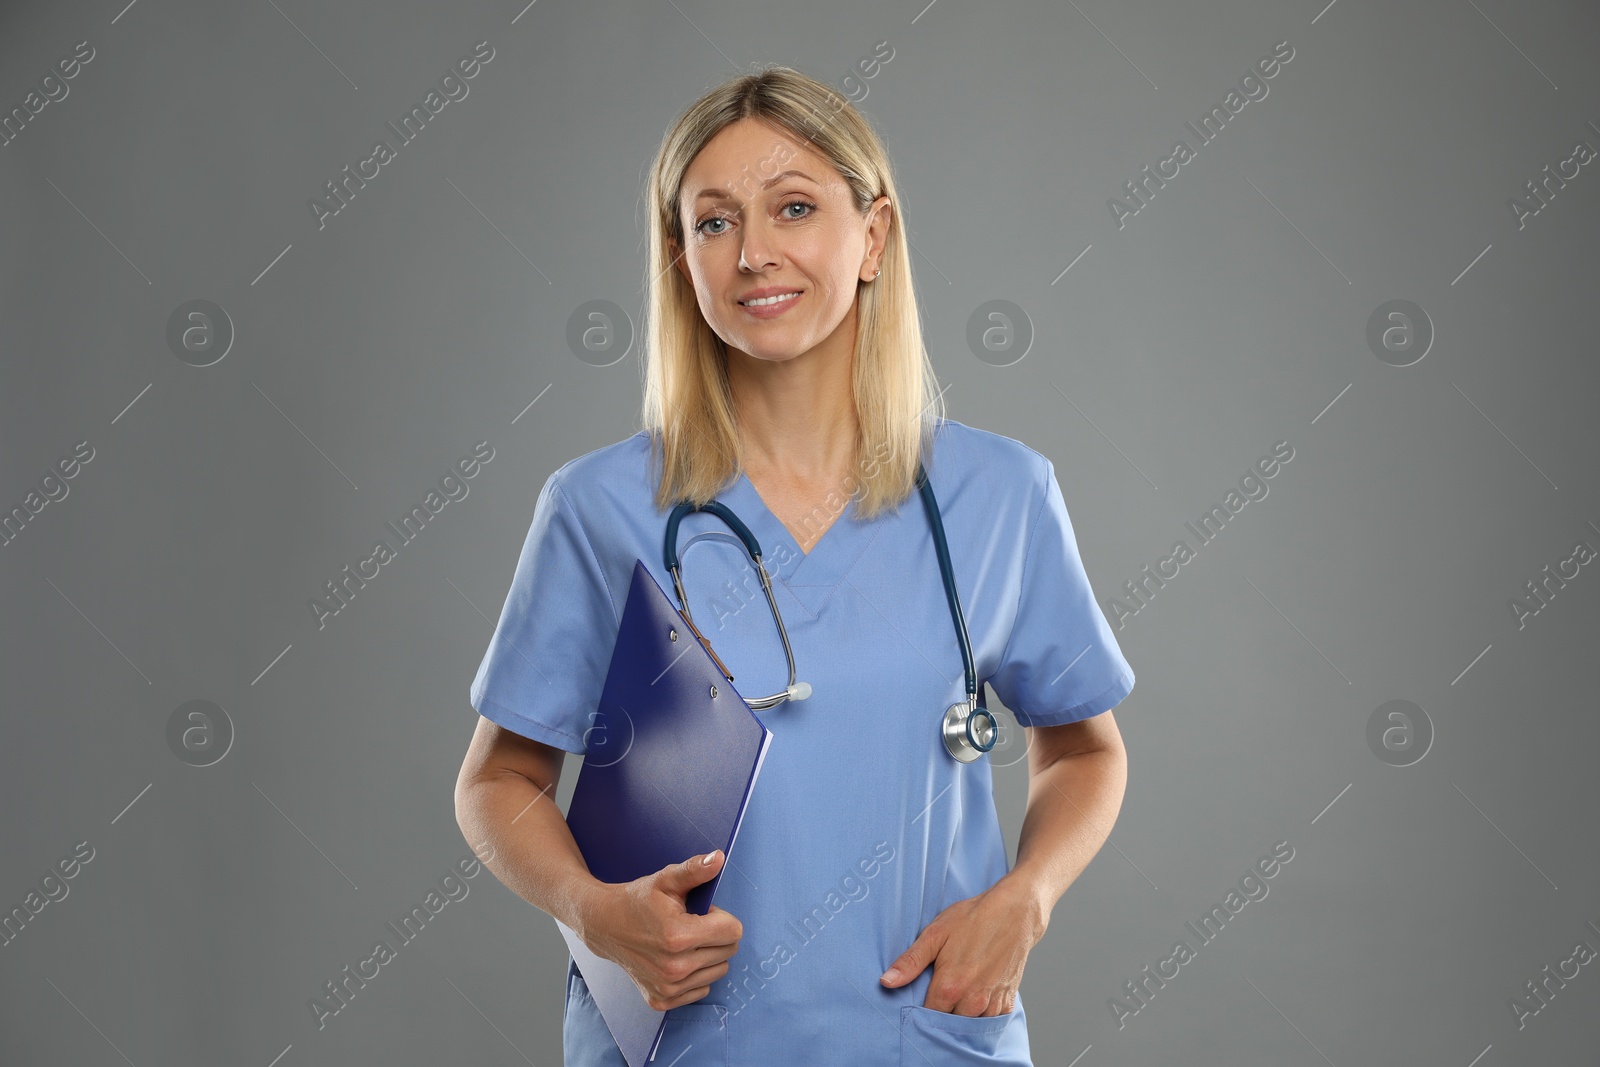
x=969 y=729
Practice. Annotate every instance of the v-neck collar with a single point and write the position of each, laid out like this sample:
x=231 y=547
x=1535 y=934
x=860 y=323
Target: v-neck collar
x=829 y=560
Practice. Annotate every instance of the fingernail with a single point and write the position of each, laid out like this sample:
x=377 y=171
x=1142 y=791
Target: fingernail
x=891 y=975
x=709 y=856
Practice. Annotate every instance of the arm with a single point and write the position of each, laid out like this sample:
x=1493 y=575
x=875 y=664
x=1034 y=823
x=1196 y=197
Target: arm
x=505 y=805
x=979 y=946
x=1076 y=776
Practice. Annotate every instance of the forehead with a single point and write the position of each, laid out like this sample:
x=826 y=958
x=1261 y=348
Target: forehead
x=735 y=163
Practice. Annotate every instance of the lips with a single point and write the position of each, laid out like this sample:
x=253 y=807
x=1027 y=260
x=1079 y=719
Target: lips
x=763 y=294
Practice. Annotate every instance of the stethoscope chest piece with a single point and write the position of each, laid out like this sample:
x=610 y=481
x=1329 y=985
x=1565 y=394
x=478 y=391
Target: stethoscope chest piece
x=968 y=733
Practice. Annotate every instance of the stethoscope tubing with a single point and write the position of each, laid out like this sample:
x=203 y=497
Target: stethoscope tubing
x=947 y=574
x=670 y=554
x=794 y=691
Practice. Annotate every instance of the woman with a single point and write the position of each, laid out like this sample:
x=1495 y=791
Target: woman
x=869 y=915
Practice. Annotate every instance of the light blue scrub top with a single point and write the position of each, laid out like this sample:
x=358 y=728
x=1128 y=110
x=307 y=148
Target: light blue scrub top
x=862 y=828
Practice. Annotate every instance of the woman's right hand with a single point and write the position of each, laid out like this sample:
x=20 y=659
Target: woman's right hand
x=673 y=956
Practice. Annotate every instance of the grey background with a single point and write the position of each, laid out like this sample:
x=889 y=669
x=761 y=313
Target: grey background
x=1228 y=315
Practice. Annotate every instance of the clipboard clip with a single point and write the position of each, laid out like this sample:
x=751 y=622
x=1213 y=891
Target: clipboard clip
x=705 y=642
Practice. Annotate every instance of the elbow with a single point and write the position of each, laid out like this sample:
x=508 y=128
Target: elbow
x=465 y=799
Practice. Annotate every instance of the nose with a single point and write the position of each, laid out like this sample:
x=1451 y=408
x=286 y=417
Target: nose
x=758 y=251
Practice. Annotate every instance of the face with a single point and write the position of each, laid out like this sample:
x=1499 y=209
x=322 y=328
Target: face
x=761 y=212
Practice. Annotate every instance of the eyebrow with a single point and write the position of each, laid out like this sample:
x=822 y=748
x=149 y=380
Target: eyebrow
x=718 y=194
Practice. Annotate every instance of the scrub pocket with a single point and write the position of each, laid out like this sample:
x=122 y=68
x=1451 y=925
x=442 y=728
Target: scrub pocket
x=699 y=1029
x=931 y=1038
x=698 y=1032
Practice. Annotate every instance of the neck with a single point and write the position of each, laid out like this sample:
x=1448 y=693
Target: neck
x=796 y=416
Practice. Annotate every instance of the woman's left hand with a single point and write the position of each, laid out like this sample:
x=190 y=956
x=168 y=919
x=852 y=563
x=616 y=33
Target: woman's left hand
x=977 y=948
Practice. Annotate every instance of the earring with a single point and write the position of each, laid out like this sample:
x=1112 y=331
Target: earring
x=877 y=272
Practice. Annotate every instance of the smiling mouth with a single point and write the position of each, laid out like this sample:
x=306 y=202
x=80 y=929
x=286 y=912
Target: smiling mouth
x=768 y=301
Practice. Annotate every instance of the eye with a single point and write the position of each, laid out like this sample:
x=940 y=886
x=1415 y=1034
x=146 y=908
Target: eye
x=699 y=227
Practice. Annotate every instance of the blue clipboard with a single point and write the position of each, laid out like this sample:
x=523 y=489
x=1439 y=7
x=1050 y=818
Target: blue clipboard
x=667 y=774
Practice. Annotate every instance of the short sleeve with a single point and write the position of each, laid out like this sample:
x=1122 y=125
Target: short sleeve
x=547 y=660
x=1061 y=663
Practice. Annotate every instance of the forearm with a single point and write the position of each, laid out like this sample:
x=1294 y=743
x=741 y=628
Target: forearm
x=1072 y=804
x=520 y=835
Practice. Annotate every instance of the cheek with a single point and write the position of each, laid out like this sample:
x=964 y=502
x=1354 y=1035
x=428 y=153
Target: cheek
x=835 y=281
x=835 y=263
x=714 y=270
x=705 y=290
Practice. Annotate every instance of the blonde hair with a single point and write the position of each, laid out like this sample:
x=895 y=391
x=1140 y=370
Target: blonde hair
x=688 y=405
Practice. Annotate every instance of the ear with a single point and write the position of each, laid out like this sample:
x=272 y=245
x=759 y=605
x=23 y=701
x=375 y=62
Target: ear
x=879 y=217
x=676 y=258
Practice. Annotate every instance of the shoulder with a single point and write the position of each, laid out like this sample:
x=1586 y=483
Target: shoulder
x=1000 y=465
x=617 y=459
x=612 y=476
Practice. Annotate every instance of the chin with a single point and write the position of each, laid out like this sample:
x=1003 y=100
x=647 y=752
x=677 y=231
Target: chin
x=769 y=353
x=773 y=357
